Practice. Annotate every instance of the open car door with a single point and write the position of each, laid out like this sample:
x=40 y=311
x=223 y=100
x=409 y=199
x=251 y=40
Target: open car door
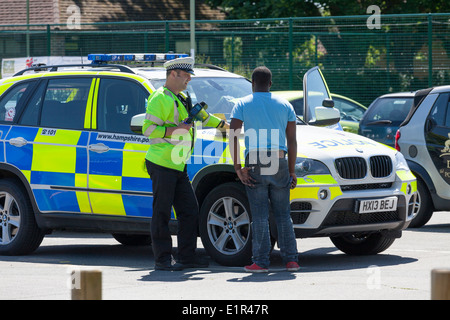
x=318 y=107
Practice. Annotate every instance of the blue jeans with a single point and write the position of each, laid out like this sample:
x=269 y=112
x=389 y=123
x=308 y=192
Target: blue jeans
x=276 y=189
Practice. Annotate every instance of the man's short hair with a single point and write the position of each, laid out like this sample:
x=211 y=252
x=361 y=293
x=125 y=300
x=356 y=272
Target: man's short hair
x=262 y=76
x=169 y=71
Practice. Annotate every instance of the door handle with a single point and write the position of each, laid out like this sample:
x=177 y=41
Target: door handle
x=99 y=148
x=18 y=142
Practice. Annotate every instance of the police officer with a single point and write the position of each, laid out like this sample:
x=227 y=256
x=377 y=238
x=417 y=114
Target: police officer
x=171 y=144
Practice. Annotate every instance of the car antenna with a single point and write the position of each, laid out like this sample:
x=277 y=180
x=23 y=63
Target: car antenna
x=81 y=57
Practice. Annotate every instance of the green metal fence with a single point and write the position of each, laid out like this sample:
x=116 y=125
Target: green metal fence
x=402 y=53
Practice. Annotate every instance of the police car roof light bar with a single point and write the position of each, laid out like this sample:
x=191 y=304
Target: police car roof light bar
x=138 y=57
x=101 y=60
x=54 y=68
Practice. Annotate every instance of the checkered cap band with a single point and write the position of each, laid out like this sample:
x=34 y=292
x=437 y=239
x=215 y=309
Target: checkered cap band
x=186 y=64
x=180 y=66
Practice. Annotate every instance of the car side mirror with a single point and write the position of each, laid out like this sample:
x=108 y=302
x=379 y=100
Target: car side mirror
x=137 y=122
x=326 y=115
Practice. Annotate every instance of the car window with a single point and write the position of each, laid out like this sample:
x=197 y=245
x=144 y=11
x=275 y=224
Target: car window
x=393 y=109
x=10 y=103
x=439 y=112
x=298 y=106
x=315 y=92
x=118 y=101
x=63 y=103
x=220 y=94
x=30 y=116
x=447 y=120
x=349 y=111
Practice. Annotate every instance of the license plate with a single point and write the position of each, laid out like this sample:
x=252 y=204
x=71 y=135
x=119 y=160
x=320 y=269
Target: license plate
x=377 y=205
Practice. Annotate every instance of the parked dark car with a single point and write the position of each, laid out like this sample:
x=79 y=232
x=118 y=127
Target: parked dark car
x=384 y=116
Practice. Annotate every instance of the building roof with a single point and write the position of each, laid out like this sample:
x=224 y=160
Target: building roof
x=13 y=12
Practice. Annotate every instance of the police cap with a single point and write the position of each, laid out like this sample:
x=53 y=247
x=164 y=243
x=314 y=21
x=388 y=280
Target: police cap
x=185 y=64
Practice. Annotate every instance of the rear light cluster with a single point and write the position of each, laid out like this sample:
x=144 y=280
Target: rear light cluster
x=397 y=137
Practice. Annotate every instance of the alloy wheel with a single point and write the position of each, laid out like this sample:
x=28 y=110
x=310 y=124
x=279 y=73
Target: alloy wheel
x=228 y=225
x=9 y=218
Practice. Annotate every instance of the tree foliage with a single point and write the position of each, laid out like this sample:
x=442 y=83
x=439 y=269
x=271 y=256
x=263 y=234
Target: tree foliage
x=391 y=57
x=237 y=9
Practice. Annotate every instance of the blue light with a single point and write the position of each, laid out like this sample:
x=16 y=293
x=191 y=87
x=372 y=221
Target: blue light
x=99 y=58
x=117 y=57
x=149 y=57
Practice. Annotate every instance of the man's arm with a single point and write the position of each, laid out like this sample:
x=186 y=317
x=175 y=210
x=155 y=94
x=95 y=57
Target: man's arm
x=156 y=129
x=235 y=131
x=242 y=173
x=291 y=137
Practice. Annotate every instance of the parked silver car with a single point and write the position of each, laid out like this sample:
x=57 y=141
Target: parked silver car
x=424 y=140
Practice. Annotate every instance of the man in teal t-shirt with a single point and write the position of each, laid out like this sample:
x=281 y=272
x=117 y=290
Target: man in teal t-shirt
x=270 y=133
x=265 y=117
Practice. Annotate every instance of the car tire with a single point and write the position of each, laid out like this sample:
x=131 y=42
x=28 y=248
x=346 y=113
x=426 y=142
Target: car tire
x=423 y=206
x=19 y=232
x=225 y=225
x=133 y=239
x=359 y=245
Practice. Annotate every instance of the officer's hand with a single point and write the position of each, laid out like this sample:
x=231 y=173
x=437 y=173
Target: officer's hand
x=184 y=125
x=181 y=129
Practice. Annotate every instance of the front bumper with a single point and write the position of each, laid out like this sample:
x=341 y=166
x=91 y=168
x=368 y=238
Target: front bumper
x=335 y=214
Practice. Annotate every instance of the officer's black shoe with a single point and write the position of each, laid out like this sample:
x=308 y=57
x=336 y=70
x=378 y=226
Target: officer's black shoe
x=195 y=262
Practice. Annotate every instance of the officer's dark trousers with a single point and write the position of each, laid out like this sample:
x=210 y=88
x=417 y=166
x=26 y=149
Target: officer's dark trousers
x=173 y=188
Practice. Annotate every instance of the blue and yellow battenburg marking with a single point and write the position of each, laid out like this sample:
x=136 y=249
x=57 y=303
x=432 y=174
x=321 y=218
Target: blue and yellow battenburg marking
x=66 y=177
x=52 y=158
x=120 y=169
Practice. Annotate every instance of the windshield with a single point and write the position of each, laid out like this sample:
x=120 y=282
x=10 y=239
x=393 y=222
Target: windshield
x=394 y=110
x=220 y=94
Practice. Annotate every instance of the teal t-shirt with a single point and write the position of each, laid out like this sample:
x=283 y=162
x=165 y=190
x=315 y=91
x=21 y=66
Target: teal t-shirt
x=265 y=116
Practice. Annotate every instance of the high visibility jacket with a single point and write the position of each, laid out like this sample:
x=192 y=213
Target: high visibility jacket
x=164 y=109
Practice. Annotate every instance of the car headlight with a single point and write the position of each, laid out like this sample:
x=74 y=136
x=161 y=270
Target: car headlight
x=401 y=163
x=305 y=166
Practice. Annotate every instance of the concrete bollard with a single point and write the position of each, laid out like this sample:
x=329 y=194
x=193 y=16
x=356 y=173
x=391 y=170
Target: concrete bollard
x=88 y=285
x=440 y=284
